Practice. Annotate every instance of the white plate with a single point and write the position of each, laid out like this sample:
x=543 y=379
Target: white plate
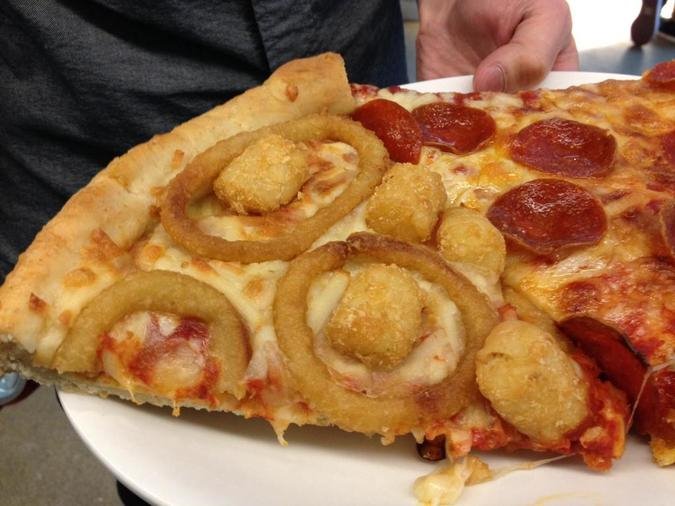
x=214 y=458
x=464 y=84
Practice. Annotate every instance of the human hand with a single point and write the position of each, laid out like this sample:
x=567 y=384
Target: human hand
x=507 y=44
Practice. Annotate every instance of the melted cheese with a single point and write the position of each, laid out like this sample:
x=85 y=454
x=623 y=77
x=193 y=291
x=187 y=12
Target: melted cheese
x=487 y=282
x=323 y=297
x=180 y=369
x=630 y=195
x=353 y=222
x=408 y=99
x=444 y=486
x=136 y=325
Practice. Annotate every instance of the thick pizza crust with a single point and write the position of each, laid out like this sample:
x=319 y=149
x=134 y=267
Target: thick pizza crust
x=87 y=245
x=13 y=359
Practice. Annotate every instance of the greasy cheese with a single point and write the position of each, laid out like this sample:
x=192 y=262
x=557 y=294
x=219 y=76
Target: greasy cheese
x=411 y=99
x=323 y=297
x=182 y=368
x=445 y=485
x=353 y=222
x=137 y=323
x=630 y=195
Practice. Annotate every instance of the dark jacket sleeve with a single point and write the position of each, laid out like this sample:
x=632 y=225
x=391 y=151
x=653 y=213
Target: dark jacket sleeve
x=83 y=81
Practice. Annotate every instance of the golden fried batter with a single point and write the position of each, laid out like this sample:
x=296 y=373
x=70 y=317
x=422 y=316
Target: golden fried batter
x=663 y=451
x=531 y=382
x=407 y=203
x=267 y=175
x=379 y=317
x=466 y=235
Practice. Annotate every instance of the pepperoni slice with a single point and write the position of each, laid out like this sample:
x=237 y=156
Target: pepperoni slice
x=608 y=348
x=624 y=369
x=395 y=127
x=565 y=147
x=546 y=215
x=654 y=414
x=668 y=146
x=667 y=219
x=454 y=128
x=662 y=76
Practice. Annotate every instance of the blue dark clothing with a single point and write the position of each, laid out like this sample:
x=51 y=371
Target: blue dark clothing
x=83 y=81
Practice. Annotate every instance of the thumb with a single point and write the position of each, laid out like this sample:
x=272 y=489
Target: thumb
x=539 y=42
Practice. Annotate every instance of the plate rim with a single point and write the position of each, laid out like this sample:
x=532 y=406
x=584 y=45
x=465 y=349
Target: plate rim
x=549 y=82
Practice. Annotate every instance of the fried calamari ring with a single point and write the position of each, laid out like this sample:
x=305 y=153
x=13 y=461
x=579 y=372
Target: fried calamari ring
x=160 y=291
x=196 y=180
x=350 y=410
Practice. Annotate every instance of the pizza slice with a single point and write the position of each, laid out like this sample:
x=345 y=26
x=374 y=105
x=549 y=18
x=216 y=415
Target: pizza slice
x=385 y=261
x=578 y=182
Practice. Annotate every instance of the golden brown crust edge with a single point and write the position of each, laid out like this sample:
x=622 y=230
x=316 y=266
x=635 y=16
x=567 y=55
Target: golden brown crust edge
x=12 y=358
x=93 y=234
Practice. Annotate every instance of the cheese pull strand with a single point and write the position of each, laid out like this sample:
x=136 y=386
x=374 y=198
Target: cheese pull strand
x=445 y=485
x=650 y=371
x=523 y=466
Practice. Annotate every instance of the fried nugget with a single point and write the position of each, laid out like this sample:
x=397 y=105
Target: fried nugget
x=407 y=203
x=531 y=382
x=267 y=175
x=467 y=236
x=379 y=317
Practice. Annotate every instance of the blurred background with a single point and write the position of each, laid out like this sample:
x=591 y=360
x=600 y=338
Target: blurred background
x=601 y=30
x=42 y=460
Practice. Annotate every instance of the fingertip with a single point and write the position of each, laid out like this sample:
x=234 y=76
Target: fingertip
x=519 y=66
x=490 y=78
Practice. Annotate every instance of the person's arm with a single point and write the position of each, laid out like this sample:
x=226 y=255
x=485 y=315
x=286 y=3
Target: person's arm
x=507 y=44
